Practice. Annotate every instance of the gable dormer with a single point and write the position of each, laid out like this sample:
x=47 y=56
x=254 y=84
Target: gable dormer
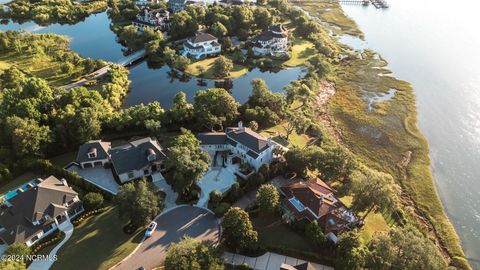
x=92 y=153
x=151 y=155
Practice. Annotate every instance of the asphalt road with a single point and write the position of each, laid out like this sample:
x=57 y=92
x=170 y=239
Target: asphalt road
x=171 y=227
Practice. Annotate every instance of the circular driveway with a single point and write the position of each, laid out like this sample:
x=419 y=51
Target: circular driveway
x=172 y=225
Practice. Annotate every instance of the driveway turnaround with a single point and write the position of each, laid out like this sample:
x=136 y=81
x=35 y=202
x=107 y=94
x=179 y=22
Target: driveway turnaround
x=268 y=261
x=219 y=179
x=172 y=226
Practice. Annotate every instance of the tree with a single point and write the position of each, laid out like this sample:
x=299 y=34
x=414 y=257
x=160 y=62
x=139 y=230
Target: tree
x=403 y=248
x=27 y=138
x=181 y=111
x=169 y=56
x=297 y=121
x=350 y=252
x=18 y=250
x=268 y=198
x=215 y=199
x=191 y=254
x=299 y=91
x=263 y=106
x=201 y=70
x=373 y=189
x=314 y=233
x=12 y=265
x=242 y=17
x=222 y=67
x=183 y=25
x=238 y=230
x=263 y=18
x=332 y=162
x=218 y=30
x=214 y=107
x=138 y=202
x=181 y=62
x=186 y=161
x=92 y=200
x=253 y=125
x=297 y=161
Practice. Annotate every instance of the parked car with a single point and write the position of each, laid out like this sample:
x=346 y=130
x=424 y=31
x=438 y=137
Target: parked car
x=150 y=229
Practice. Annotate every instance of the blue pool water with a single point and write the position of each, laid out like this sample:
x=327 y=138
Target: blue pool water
x=10 y=195
x=297 y=204
x=14 y=192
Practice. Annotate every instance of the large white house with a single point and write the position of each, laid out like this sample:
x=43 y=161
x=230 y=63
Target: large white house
x=157 y=19
x=274 y=41
x=201 y=45
x=179 y=5
x=36 y=209
x=142 y=3
x=134 y=160
x=243 y=144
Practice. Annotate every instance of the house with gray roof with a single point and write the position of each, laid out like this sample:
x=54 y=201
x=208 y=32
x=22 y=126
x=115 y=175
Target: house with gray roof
x=131 y=161
x=201 y=45
x=273 y=41
x=179 y=5
x=137 y=159
x=36 y=211
x=243 y=144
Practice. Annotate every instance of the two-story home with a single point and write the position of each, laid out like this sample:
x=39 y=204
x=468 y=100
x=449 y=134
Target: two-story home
x=179 y=5
x=243 y=145
x=131 y=161
x=201 y=45
x=143 y=3
x=36 y=210
x=273 y=41
x=157 y=19
x=313 y=200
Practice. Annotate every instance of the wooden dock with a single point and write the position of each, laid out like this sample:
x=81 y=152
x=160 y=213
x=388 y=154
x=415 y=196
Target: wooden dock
x=380 y=4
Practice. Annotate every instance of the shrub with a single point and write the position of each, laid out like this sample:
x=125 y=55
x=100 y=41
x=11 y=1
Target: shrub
x=234 y=193
x=79 y=220
x=92 y=200
x=49 y=240
x=18 y=250
x=221 y=209
x=215 y=198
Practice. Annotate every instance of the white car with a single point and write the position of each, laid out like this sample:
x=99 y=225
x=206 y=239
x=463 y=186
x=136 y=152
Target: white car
x=150 y=229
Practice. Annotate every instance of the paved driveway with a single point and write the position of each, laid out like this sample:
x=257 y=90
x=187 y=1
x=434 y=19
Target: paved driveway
x=172 y=226
x=99 y=176
x=162 y=185
x=268 y=261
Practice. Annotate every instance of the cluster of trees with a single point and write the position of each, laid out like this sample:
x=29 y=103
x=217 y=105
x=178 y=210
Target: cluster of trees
x=238 y=232
x=139 y=203
x=52 y=11
x=400 y=248
x=192 y=254
x=16 y=254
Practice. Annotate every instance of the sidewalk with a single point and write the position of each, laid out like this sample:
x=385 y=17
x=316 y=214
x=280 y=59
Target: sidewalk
x=67 y=228
x=268 y=261
x=162 y=185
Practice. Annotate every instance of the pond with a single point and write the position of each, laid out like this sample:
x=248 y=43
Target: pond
x=93 y=38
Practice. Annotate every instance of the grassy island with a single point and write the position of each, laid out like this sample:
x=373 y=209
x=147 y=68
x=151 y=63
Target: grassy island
x=52 y=11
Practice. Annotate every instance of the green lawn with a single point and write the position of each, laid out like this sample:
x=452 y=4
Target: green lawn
x=375 y=222
x=299 y=140
x=279 y=235
x=98 y=243
x=14 y=183
x=64 y=159
x=302 y=50
x=238 y=70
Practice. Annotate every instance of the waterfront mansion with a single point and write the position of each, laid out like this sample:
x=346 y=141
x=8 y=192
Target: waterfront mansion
x=157 y=19
x=201 y=45
x=273 y=41
x=242 y=144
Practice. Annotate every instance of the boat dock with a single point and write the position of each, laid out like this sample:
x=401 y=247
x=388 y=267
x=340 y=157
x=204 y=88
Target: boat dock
x=380 y=4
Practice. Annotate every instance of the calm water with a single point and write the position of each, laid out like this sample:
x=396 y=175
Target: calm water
x=434 y=45
x=93 y=38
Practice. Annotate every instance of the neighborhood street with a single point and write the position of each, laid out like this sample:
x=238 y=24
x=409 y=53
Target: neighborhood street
x=172 y=226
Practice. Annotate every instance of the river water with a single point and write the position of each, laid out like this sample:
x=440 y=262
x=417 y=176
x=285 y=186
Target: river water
x=435 y=46
x=93 y=38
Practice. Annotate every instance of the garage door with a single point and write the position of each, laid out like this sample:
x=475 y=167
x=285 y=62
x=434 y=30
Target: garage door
x=87 y=165
x=98 y=163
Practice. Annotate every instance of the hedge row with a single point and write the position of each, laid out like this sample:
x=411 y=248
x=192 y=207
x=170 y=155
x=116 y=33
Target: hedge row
x=45 y=168
x=49 y=240
x=79 y=220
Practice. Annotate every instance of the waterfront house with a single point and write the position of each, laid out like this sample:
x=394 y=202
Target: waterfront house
x=36 y=210
x=131 y=161
x=313 y=200
x=242 y=144
x=157 y=19
x=273 y=41
x=201 y=45
x=179 y=5
x=143 y=3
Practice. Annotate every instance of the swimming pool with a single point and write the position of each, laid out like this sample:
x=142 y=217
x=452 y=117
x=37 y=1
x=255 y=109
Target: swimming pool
x=23 y=187
x=298 y=205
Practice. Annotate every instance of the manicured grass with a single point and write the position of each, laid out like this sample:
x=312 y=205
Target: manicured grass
x=64 y=159
x=238 y=70
x=16 y=182
x=279 y=235
x=373 y=223
x=346 y=200
x=298 y=140
x=302 y=50
x=98 y=243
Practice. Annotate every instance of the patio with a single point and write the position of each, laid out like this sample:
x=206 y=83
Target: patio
x=217 y=178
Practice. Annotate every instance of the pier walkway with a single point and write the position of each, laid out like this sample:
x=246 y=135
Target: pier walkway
x=124 y=62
